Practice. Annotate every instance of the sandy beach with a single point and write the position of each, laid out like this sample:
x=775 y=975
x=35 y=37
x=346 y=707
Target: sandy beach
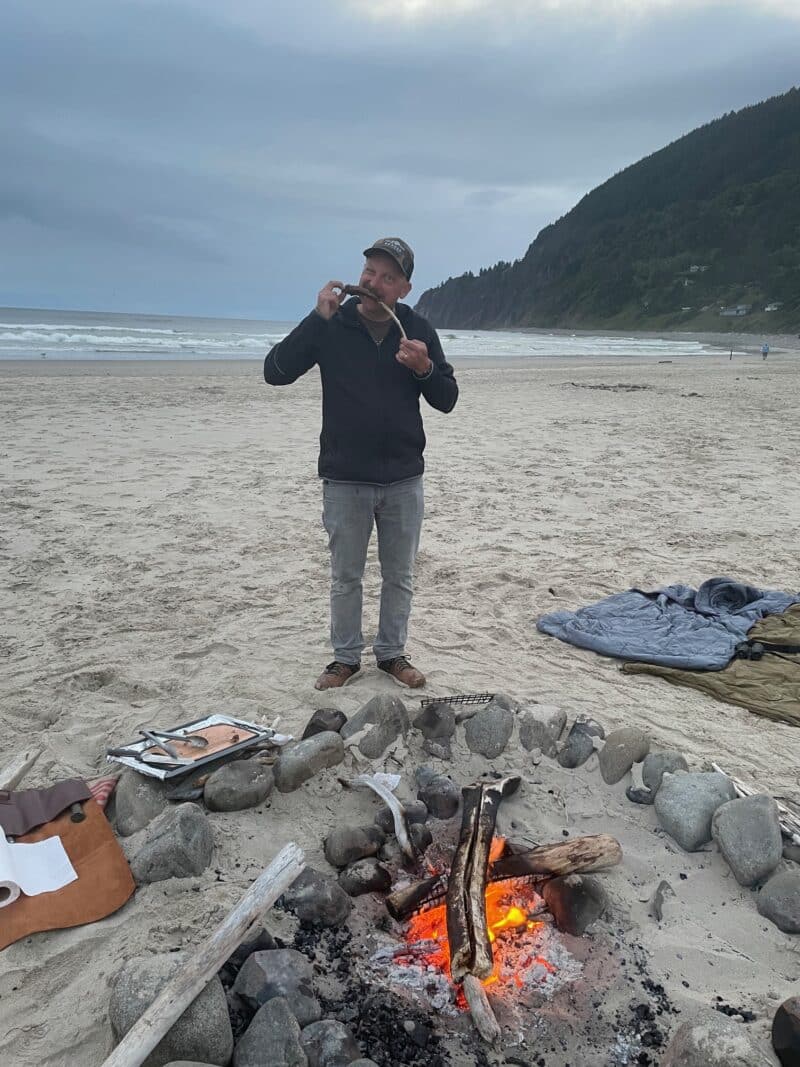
x=162 y=556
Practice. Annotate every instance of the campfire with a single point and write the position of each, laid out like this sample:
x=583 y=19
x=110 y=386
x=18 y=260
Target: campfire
x=478 y=925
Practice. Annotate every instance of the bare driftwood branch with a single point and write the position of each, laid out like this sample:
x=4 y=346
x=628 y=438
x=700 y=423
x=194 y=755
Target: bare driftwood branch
x=402 y=833
x=187 y=983
x=359 y=290
x=581 y=854
x=790 y=822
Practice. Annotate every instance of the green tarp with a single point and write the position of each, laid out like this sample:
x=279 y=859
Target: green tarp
x=768 y=686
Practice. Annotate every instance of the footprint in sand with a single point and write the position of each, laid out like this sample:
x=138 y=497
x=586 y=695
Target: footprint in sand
x=208 y=650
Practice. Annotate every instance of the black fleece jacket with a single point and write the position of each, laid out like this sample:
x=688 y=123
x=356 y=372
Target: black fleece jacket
x=371 y=422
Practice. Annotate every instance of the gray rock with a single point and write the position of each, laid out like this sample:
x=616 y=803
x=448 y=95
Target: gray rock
x=203 y=1032
x=713 y=1041
x=656 y=763
x=280 y=972
x=324 y=720
x=177 y=844
x=622 y=749
x=263 y=941
x=384 y=708
x=363 y=1063
x=298 y=763
x=436 y=721
x=365 y=876
x=137 y=801
x=490 y=728
x=238 y=785
x=329 y=1044
x=540 y=726
x=591 y=726
x=779 y=901
x=415 y=810
x=273 y=1039
x=575 y=901
x=637 y=794
x=375 y=742
x=317 y=899
x=439 y=794
x=346 y=844
x=786 y=1032
x=748 y=832
x=438 y=749
x=577 y=748
x=421 y=837
x=685 y=805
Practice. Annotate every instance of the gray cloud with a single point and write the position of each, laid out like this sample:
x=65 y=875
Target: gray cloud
x=174 y=157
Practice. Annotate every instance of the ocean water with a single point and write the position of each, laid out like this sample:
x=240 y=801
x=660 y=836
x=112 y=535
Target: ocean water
x=36 y=334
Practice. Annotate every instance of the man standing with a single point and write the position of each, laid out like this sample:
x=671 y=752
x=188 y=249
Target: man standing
x=764 y=350
x=371 y=445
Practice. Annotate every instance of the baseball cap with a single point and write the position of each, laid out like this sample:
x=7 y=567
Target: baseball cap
x=398 y=250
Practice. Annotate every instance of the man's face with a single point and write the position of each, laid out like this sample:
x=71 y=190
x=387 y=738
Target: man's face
x=383 y=277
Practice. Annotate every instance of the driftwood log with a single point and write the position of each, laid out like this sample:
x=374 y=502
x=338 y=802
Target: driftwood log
x=581 y=854
x=481 y=1010
x=191 y=979
x=467 y=930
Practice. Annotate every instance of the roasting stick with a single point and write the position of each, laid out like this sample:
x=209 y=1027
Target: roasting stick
x=359 y=290
x=790 y=823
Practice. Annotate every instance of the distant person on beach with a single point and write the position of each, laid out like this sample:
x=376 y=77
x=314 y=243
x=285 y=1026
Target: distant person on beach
x=371 y=445
x=764 y=350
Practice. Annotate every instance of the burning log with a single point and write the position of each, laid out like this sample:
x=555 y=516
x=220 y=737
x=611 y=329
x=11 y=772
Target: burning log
x=467 y=931
x=481 y=1010
x=581 y=854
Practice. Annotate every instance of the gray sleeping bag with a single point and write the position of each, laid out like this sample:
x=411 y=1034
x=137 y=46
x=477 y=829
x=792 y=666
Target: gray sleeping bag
x=675 y=627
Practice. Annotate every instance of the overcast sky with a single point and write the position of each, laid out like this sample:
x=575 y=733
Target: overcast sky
x=227 y=158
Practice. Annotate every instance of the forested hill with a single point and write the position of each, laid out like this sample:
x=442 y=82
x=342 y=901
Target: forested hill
x=710 y=221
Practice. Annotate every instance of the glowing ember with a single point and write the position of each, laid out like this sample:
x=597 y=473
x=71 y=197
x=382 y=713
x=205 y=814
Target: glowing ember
x=514 y=933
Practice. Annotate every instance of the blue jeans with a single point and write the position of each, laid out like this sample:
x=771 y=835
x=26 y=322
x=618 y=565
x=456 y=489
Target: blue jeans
x=350 y=510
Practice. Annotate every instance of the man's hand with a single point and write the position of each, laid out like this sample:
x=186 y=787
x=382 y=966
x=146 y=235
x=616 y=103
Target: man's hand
x=328 y=300
x=414 y=355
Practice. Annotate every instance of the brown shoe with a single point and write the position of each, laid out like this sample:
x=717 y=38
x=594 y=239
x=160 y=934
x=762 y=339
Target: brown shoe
x=403 y=673
x=336 y=675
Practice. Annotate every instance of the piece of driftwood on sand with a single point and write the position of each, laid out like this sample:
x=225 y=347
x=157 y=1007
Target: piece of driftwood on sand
x=194 y=975
x=13 y=773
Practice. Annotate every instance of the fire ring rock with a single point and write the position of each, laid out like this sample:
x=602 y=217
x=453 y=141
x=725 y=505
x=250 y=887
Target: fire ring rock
x=748 y=832
x=540 y=726
x=713 y=1041
x=779 y=901
x=622 y=749
x=202 y=1032
x=489 y=729
x=388 y=717
x=177 y=844
x=575 y=901
x=280 y=972
x=273 y=1037
x=238 y=785
x=137 y=801
x=438 y=793
x=436 y=721
x=578 y=747
x=365 y=876
x=346 y=844
x=656 y=764
x=786 y=1032
x=302 y=761
x=324 y=719
x=329 y=1043
x=317 y=899
x=685 y=804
